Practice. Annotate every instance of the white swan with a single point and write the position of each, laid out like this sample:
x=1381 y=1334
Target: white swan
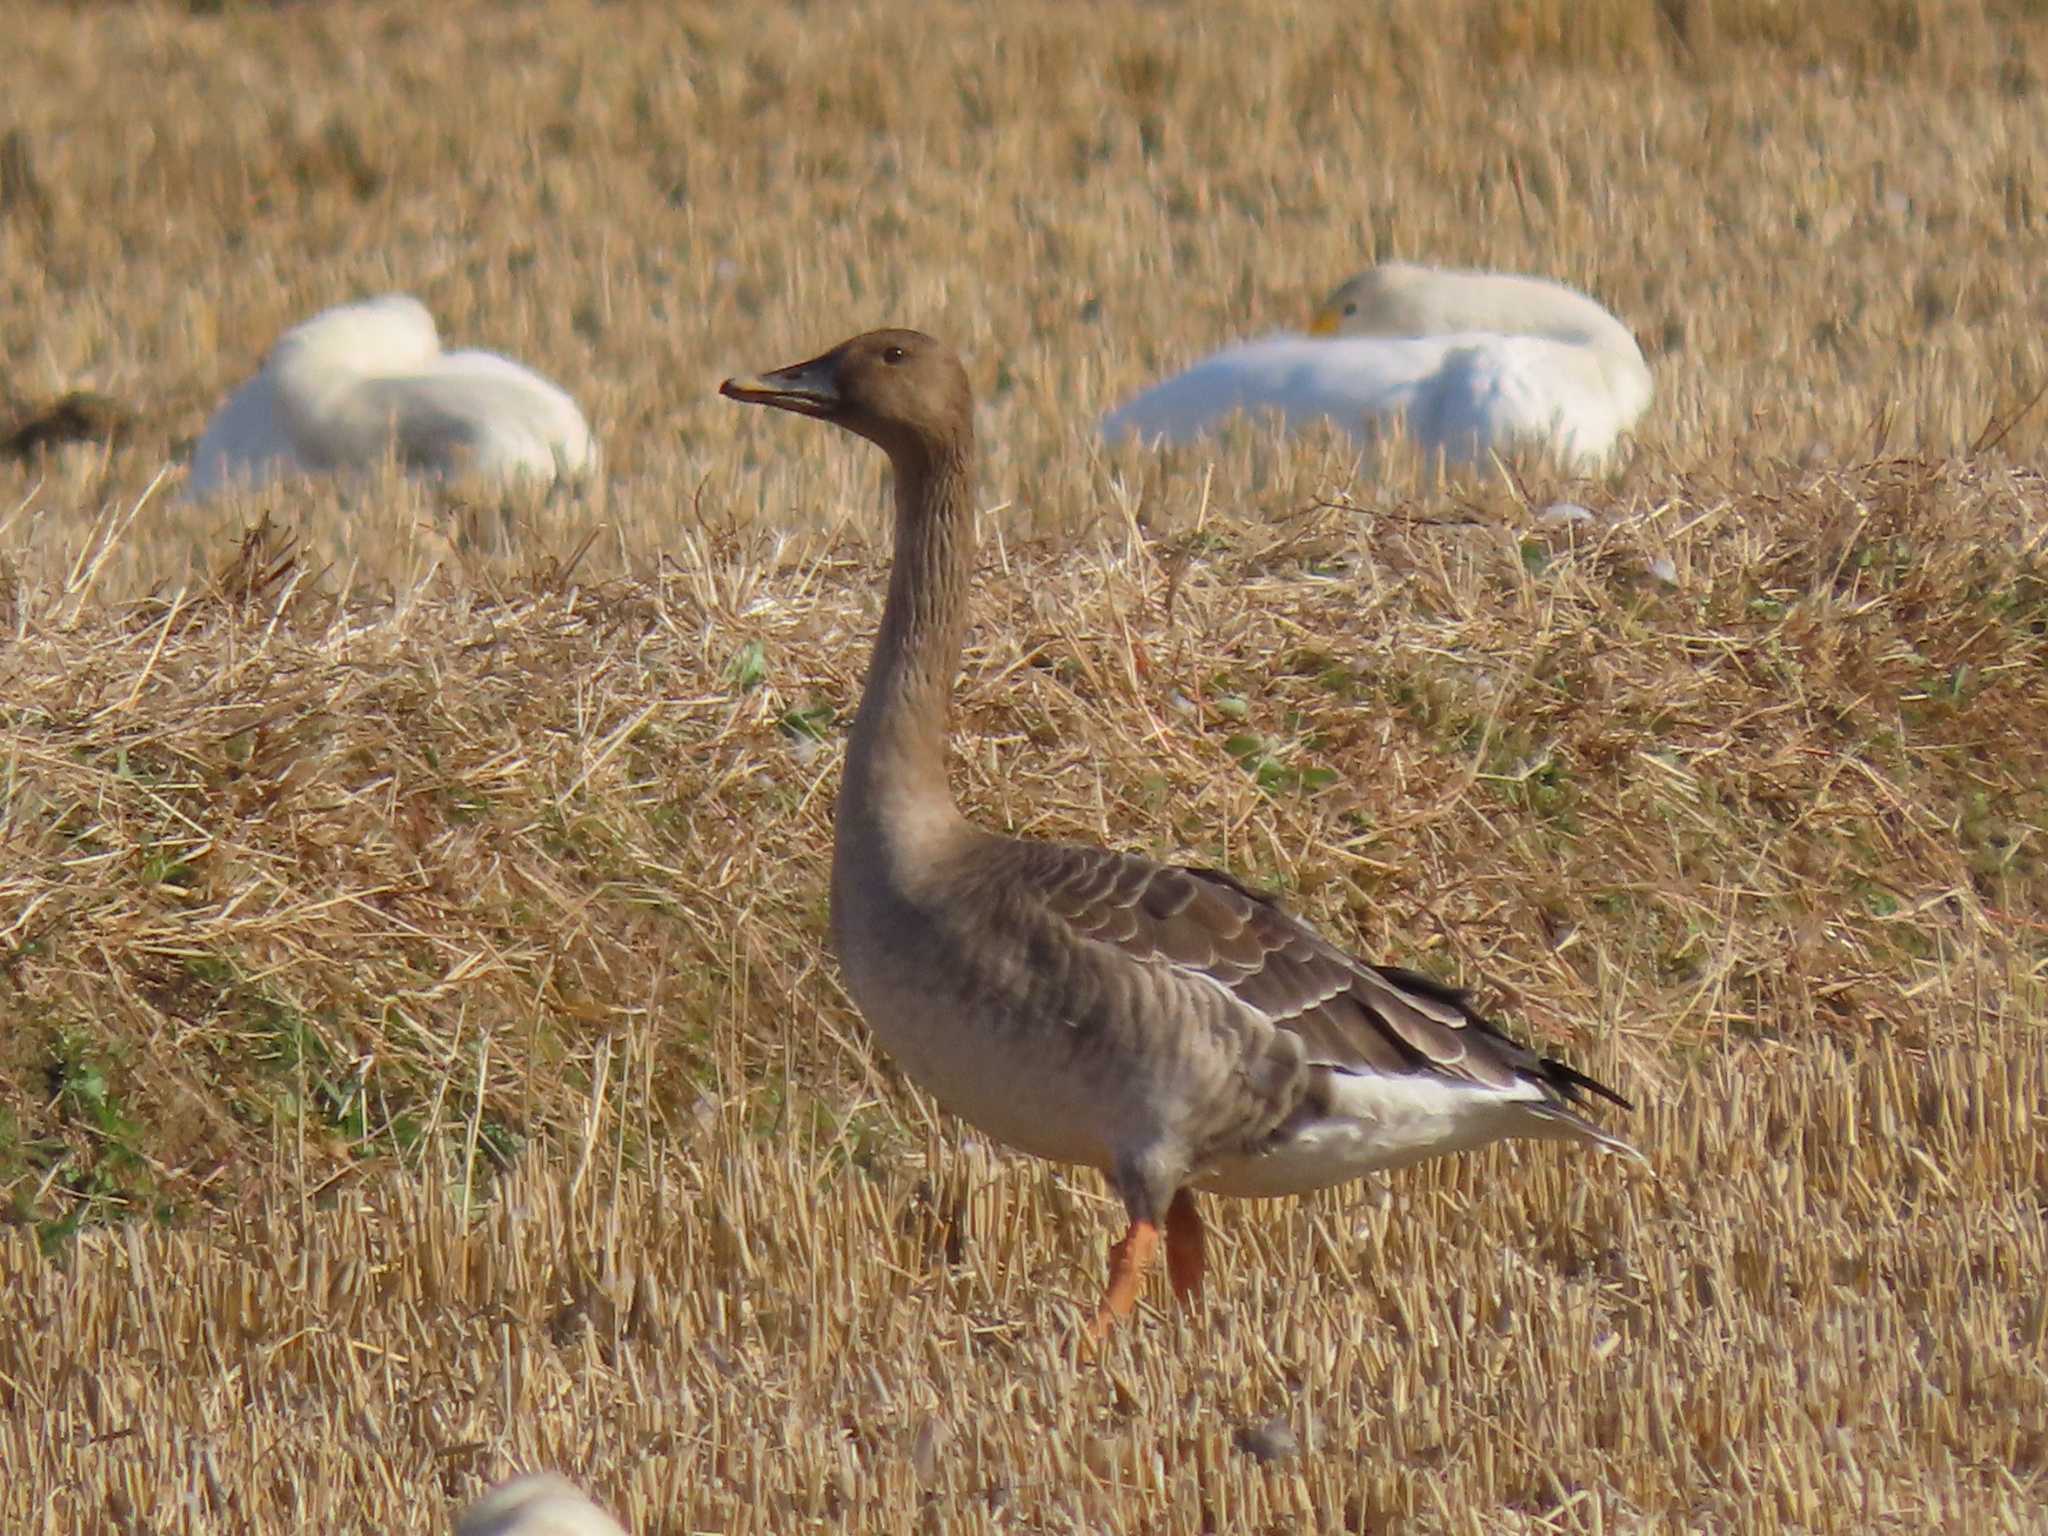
x=343 y=388
x=540 y=1504
x=1473 y=361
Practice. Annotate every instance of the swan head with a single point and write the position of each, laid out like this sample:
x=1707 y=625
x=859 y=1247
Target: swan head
x=1400 y=298
x=899 y=389
x=389 y=334
x=1377 y=302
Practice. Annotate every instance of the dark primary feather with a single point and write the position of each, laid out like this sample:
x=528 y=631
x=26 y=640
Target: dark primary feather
x=1350 y=1016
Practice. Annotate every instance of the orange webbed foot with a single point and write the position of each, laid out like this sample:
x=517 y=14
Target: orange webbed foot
x=1186 y=1247
x=1128 y=1261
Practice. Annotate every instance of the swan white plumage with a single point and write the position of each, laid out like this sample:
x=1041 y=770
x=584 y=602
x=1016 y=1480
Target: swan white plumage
x=540 y=1504
x=1472 y=361
x=341 y=389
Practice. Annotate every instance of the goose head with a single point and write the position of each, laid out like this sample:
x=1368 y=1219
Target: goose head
x=899 y=389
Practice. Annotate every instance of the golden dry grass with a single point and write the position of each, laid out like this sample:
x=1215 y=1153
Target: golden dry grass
x=418 y=1058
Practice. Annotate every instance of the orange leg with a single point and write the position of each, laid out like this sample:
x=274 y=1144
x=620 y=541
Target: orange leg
x=1127 y=1262
x=1185 y=1260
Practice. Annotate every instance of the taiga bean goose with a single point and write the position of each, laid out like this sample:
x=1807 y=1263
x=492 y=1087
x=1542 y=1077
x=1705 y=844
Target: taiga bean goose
x=1165 y=1025
x=340 y=390
x=1472 y=361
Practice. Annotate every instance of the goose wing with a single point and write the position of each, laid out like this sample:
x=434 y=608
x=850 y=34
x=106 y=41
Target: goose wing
x=1350 y=1016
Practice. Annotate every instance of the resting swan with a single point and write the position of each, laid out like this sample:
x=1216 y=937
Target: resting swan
x=1475 y=361
x=539 y=1504
x=341 y=389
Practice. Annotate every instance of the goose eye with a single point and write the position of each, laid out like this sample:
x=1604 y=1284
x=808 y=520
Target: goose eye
x=892 y=354
x=1351 y=308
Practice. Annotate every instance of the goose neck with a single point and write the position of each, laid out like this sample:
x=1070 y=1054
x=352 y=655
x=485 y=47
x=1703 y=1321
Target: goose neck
x=896 y=759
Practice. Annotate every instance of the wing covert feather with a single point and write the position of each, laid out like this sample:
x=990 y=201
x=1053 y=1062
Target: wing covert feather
x=1350 y=1016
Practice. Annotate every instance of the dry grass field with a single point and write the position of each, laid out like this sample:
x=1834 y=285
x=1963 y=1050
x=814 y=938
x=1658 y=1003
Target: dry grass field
x=418 y=1055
